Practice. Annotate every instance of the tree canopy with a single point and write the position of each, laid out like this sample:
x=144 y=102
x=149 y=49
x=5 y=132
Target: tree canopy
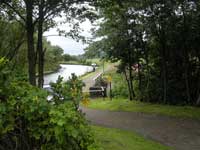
x=156 y=44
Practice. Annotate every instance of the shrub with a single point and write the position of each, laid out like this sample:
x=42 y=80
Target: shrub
x=70 y=90
x=120 y=88
x=28 y=121
x=100 y=81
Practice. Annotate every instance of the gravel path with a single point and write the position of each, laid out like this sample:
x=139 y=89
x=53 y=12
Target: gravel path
x=181 y=134
x=90 y=81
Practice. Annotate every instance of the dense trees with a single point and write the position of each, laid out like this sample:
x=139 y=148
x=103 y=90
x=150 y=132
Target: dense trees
x=53 y=56
x=12 y=39
x=14 y=48
x=156 y=43
x=38 y=15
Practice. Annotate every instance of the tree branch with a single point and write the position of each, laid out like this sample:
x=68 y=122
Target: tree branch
x=16 y=11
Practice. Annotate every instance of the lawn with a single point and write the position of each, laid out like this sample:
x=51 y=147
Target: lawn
x=135 y=106
x=115 y=139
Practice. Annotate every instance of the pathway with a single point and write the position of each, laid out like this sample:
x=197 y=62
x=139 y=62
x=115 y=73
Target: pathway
x=90 y=81
x=181 y=134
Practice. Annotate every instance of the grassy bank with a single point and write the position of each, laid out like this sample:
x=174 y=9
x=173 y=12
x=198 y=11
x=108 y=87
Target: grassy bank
x=74 y=63
x=49 y=69
x=122 y=104
x=115 y=139
x=53 y=70
x=86 y=62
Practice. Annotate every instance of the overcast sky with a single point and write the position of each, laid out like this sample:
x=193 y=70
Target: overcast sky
x=69 y=45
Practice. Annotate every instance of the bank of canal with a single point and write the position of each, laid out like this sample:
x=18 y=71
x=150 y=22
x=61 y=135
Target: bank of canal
x=65 y=71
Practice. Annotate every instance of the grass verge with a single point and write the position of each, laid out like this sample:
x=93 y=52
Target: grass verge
x=115 y=139
x=136 y=106
x=83 y=62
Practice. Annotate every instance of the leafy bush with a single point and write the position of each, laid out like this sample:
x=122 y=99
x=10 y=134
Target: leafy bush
x=28 y=121
x=100 y=81
x=120 y=88
x=119 y=84
x=71 y=90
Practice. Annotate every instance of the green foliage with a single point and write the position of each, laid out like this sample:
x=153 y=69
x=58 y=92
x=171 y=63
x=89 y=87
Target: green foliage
x=77 y=60
x=160 y=38
x=12 y=44
x=4 y=76
x=29 y=121
x=70 y=90
x=101 y=81
x=93 y=50
x=119 y=85
x=67 y=57
x=11 y=39
x=53 y=55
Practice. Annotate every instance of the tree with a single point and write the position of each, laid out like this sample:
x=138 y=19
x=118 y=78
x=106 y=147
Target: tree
x=48 y=10
x=160 y=38
x=11 y=39
x=118 y=33
x=22 y=11
x=41 y=13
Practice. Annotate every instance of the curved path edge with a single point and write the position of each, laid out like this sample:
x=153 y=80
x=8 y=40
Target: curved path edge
x=180 y=134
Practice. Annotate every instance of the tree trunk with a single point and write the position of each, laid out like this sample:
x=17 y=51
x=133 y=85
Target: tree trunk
x=128 y=83
x=40 y=46
x=30 y=43
x=139 y=74
x=130 y=74
x=198 y=88
x=131 y=82
x=164 y=75
x=187 y=81
x=198 y=101
x=163 y=62
x=186 y=59
x=148 y=71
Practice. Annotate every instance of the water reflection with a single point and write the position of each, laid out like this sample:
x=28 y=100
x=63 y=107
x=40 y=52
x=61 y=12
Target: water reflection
x=65 y=71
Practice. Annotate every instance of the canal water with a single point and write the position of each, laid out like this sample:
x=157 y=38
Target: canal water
x=65 y=71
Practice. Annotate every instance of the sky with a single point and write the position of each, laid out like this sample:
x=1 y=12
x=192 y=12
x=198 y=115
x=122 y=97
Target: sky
x=69 y=45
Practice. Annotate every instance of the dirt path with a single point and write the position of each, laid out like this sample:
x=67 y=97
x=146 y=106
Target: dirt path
x=90 y=81
x=181 y=134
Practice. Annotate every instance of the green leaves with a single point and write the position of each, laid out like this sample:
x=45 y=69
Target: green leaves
x=159 y=38
x=70 y=91
x=27 y=114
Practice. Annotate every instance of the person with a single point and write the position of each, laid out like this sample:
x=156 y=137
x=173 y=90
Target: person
x=94 y=67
